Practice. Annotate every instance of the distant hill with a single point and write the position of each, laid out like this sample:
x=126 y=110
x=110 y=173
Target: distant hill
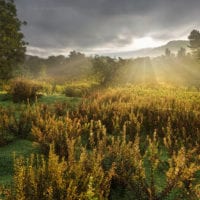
x=174 y=46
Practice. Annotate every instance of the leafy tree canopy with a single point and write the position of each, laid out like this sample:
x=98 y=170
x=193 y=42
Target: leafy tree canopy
x=194 y=40
x=12 y=44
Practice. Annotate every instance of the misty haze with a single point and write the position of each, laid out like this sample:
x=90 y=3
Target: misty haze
x=99 y=100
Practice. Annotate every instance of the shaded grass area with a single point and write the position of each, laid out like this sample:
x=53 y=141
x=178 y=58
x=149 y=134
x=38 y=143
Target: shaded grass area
x=72 y=101
x=6 y=100
x=17 y=148
x=24 y=147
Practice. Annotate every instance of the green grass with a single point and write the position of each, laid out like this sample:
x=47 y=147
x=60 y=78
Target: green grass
x=24 y=147
x=19 y=148
x=51 y=99
x=6 y=100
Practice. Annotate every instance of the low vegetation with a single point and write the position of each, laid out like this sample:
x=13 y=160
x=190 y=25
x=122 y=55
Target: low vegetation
x=136 y=142
x=69 y=132
x=23 y=90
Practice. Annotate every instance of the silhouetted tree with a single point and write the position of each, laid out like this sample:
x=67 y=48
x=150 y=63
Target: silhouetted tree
x=167 y=52
x=35 y=65
x=73 y=55
x=104 y=68
x=12 y=44
x=181 y=52
x=194 y=40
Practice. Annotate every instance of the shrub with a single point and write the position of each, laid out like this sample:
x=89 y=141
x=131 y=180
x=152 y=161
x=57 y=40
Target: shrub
x=37 y=178
x=79 y=89
x=72 y=92
x=76 y=91
x=6 y=122
x=23 y=90
x=109 y=165
x=141 y=141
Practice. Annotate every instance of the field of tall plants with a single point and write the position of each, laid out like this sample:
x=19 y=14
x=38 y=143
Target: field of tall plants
x=135 y=142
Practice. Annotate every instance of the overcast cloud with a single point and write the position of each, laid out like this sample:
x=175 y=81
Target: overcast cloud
x=55 y=26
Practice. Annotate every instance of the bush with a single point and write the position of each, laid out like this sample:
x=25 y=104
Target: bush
x=77 y=89
x=72 y=92
x=36 y=178
x=120 y=143
x=23 y=90
x=6 y=122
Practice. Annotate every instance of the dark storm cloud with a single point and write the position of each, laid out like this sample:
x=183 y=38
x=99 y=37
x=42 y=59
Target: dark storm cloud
x=114 y=23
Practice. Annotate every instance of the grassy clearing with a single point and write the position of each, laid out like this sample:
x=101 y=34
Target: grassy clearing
x=6 y=100
x=52 y=99
x=19 y=148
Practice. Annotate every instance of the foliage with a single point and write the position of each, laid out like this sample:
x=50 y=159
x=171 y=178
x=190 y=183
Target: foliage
x=76 y=89
x=55 y=71
x=73 y=92
x=194 y=39
x=104 y=68
x=71 y=179
x=12 y=45
x=14 y=125
x=59 y=68
x=60 y=179
x=23 y=90
x=6 y=120
x=181 y=52
x=19 y=147
x=167 y=52
x=17 y=120
x=141 y=141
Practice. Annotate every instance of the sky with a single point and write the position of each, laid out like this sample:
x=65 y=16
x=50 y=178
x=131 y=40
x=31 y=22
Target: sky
x=103 y=26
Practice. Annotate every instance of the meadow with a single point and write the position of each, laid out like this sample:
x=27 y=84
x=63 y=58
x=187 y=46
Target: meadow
x=131 y=142
x=92 y=125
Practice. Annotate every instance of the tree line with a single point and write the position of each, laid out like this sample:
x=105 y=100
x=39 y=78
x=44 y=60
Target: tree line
x=14 y=61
